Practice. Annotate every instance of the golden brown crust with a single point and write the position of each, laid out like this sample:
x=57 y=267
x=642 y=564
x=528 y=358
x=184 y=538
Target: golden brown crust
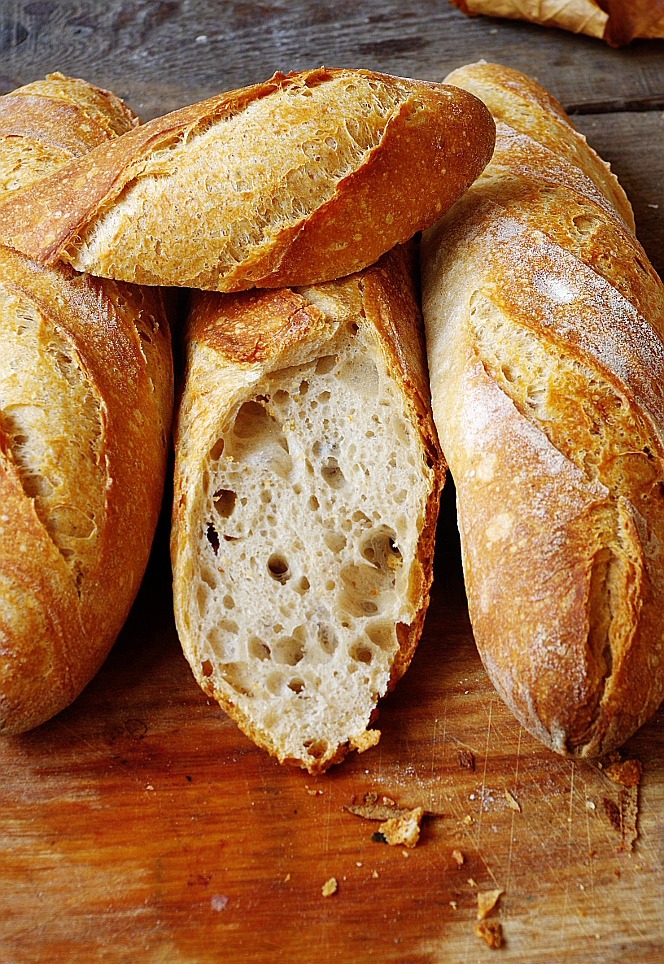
x=58 y=623
x=227 y=337
x=544 y=329
x=433 y=147
x=80 y=627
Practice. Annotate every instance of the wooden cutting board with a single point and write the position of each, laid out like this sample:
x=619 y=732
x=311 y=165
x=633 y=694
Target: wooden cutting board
x=141 y=825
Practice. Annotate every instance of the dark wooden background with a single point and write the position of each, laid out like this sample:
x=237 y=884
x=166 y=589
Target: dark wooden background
x=139 y=825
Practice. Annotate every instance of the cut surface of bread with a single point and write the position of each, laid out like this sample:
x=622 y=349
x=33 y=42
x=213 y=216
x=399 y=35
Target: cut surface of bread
x=303 y=530
x=298 y=180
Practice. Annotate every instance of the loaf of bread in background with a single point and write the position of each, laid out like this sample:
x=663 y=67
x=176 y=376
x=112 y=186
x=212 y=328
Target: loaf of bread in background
x=307 y=486
x=299 y=180
x=544 y=324
x=86 y=390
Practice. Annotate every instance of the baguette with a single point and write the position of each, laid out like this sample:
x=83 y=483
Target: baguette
x=307 y=486
x=544 y=325
x=299 y=180
x=86 y=390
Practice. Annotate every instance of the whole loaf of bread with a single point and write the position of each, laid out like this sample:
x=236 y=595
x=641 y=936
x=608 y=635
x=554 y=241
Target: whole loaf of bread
x=544 y=325
x=307 y=486
x=86 y=390
x=299 y=180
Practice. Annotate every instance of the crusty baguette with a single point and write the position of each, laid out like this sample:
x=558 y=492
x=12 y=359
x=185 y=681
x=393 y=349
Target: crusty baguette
x=307 y=486
x=302 y=179
x=544 y=324
x=86 y=389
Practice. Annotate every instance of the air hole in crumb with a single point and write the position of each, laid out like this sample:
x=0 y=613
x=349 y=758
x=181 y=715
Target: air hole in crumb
x=224 y=502
x=297 y=488
x=302 y=585
x=325 y=364
x=381 y=635
x=324 y=397
x=308 y=466
x=296 y=684
x=329 y=585
x=335 y=541
x=333 y=475
x=217 y=449
x=316 y=748
x=313 y=503
x=360 y=653
x=288 y=650
x=327 y=639
x=213 y=538
x=278 y=568
x=257 y=649
x=229 y=602
x=206 y=667
x=266 y=497
x=304 y=387
x=280 y=397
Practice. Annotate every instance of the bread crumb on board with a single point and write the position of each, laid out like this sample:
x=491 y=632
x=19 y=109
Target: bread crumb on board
x=404 y=829
x=466 y=760
x=486 y=901
x=623 y=816
x=458 y=858
x=364 y=741
x=491 y=932
x=513 y=803
x=330 y=887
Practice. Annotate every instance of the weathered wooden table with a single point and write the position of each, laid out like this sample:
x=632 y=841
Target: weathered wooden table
x=140 y=825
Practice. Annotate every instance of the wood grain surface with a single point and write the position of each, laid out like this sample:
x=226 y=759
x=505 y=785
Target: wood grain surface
x=140 y=825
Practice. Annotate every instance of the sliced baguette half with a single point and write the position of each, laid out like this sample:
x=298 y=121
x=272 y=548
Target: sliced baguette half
x=307 y=486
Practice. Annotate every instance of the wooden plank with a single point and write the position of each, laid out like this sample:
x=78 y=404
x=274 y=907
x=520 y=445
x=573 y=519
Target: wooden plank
x=141 y=825
x=162 y=55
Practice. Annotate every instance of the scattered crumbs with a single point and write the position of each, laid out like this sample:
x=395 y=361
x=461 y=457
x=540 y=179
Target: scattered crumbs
x=494 y=30
x=590 y=805
x=404 y=829
x=453 y=904
x=375 y=874
x=599 y=767
x=512 y=801
x=313 y=793
x=612 y=812
x=149 y=787
x=466 y=760
x=472 y=882
x=359 y=863
x=654 y=206
x=376 y=811
x=491 y=932
x=581 y=887
x=329 y=887
x=627 y=774
x=405 y=853
x=286 y=878
x=468 y=819
x=486 y=901
x=370 y=797
x=389 y=802
x=637 y=867
x=378 y=838
x=458 y=856
x=218 y=902
x=364 y=741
